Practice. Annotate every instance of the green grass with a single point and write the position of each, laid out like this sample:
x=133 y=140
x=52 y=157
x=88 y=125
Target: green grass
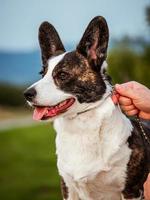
x=28 y=164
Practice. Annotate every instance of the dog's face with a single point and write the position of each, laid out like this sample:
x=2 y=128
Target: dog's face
x=72 y=82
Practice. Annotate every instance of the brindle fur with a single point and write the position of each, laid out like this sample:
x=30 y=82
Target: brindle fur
x=79 y=73
x=139 y=164
x=49 y=41
x=94 y=42
x=74 y=75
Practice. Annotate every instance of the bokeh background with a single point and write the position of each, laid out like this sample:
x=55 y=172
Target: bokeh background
x=27 y=149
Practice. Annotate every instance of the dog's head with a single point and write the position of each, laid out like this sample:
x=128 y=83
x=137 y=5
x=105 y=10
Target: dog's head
x=71 y=81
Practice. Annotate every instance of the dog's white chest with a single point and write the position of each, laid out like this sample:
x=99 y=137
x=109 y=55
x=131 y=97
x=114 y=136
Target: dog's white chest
x=88 y=157
x=77 y=151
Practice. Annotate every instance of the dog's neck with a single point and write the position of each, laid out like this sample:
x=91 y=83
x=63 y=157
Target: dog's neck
x=92 y=106
x=104 y=115
x=104 y=130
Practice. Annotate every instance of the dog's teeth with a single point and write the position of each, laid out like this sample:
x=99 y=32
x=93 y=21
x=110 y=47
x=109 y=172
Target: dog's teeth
x=62 y=104
x=52 y=111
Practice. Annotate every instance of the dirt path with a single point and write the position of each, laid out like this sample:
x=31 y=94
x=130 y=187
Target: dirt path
x=18 y=122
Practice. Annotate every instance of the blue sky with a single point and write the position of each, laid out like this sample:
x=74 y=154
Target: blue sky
x=20 y=19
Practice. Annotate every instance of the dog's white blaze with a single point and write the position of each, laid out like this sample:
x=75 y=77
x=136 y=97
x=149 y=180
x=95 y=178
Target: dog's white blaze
x=47 y=92
x=93 y=153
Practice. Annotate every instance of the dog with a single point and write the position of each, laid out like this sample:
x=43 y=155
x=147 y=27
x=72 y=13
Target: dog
x=101 y=154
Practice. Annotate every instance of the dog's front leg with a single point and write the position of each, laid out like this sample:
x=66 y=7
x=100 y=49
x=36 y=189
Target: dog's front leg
x=68 y=192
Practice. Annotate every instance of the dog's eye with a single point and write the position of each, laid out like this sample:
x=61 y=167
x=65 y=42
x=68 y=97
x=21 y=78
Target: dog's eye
x=62 y=76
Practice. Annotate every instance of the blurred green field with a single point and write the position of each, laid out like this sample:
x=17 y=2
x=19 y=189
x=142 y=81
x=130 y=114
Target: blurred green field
x=28 y=164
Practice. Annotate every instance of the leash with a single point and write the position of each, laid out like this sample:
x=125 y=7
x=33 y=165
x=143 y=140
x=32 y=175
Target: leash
x=136 y=117
x=138 y=120
x=142 y=129
x=139 y=123
x=143 y=133
x=145 y=139
x=89 y=109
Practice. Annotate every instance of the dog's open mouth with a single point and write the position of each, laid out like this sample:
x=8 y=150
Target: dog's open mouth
x=46 y=112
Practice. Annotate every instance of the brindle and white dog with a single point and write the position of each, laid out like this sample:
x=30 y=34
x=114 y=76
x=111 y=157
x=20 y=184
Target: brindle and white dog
x=101 y=153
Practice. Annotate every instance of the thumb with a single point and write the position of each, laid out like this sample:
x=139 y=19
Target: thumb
x=125 y=90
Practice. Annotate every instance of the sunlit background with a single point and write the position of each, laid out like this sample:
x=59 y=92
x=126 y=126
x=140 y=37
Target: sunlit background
x=27 y=151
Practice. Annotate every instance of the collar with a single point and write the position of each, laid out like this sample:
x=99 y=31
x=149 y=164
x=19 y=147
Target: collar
x=106 y=97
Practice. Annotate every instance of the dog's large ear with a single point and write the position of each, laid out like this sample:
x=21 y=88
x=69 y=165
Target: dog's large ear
x=94 y=42
x=50 y=41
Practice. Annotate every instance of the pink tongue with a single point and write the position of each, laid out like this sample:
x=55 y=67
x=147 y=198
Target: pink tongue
x=39 y=112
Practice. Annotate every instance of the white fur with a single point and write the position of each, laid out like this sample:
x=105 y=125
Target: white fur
x=93 y=153
x=91 y=146
x=104 y=66
x=47 y=92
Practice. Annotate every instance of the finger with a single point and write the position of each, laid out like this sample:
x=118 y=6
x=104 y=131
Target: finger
x=146 y=186
x=125 y=90
x=144 y=115
x=145 y=190
x=127 y=108
x=115 y=98
x=145 y=183
x=125 y=101
x=132 y=112
x=145 y=195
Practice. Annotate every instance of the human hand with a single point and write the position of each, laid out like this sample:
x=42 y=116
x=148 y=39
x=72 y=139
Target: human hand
x=147 y=188
x=134 y=99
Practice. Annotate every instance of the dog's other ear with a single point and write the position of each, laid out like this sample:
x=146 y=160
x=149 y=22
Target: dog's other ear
x=49 y=41
x=94 y=42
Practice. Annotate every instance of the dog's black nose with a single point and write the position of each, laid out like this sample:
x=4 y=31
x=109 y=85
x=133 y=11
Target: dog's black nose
x=30 y=94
